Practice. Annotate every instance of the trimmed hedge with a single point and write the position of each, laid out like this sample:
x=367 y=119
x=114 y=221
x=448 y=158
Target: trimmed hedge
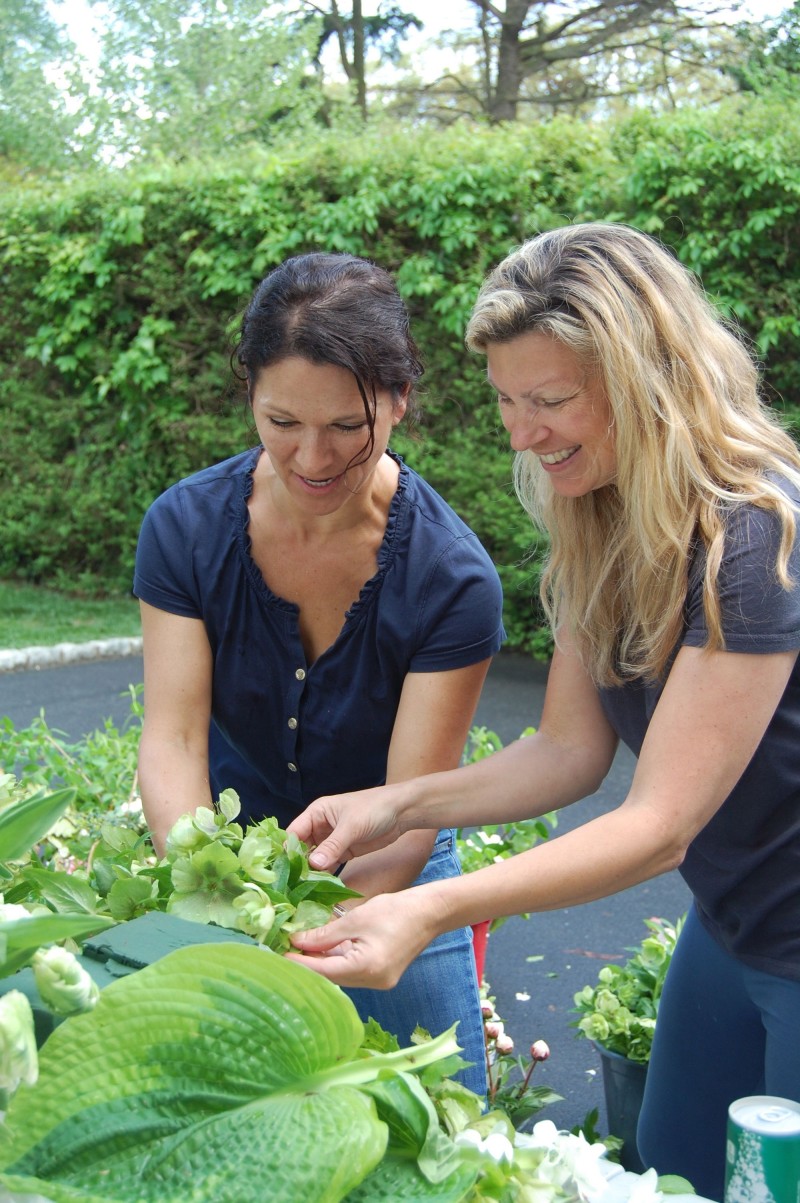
x=120 y=294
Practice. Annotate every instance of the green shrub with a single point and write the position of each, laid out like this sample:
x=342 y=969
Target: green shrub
x=121 y=293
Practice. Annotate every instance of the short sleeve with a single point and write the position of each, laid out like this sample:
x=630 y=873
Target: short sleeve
x=460 y=615
x=759 y=615
x=163 y=577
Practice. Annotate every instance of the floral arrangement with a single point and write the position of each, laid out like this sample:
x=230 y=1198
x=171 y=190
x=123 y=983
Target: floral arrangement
x=255 y=880
x=620 y=1012
x=223 y=1031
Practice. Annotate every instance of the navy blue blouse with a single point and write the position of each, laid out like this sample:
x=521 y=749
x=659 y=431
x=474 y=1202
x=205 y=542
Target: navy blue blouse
x=285 y=731
x=743 y=868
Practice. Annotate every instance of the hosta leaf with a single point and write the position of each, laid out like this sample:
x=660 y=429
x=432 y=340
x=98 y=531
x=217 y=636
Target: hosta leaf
x=216 y=1075
x=396 y=1180
x=19 y=938
x=22 y=824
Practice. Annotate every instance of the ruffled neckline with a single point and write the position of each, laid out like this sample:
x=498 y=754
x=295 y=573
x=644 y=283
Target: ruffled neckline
x=386 y=550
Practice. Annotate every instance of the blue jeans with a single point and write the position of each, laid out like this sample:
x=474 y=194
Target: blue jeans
x=724 y=1031
x=439 y=987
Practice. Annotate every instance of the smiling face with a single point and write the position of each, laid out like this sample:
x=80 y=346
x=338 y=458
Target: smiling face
x=553 y=408
x=311 y=421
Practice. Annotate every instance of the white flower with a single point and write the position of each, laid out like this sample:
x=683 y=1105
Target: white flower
x=496 y=1145
x=569 y=1160
x=63 y=984
x=18 y=1058
x=12 y=910
x=632 y=1188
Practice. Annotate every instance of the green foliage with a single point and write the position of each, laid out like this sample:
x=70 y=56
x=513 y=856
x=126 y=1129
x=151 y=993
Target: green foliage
x=37 y=126
x=620 y=1012
x=769 y=59
x=25 y=818
x=497 y=841
x=99 y=769
x=200 y=1068
x=724 y=190
x=121 y=293
x=120 y=298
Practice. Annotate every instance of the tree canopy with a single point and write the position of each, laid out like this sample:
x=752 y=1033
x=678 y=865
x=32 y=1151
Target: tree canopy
x=185 y=79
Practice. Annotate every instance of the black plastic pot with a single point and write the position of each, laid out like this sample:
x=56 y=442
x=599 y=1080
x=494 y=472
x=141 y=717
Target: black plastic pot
x=623 y=1086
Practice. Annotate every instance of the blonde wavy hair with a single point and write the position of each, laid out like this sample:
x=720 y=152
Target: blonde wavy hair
x=692 y=438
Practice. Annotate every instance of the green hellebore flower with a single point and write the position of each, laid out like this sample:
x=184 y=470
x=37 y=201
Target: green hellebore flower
x=185 y=836
x=256 y=912
x=229 y=805
x=653 y=953
x=606 y=1003
x=205 y=885
x=18 y=1059
x=308 y=914
x=258 y=848
x=63 y=984
x=595 y=1027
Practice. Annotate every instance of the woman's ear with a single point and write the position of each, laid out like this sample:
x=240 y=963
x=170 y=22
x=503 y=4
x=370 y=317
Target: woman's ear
x=400 y=404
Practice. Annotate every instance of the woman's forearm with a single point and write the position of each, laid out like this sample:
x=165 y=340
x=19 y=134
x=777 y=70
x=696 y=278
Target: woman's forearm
x=610 y=853
x=173 y=781
x=528 y=778
x=390 y=869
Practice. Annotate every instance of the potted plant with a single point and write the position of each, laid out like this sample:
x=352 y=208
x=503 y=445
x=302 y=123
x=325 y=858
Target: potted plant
x=619 y=1016
x=479 y=847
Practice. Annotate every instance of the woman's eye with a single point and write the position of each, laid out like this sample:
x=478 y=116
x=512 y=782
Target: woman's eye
x=349 y=429
x=281 y=423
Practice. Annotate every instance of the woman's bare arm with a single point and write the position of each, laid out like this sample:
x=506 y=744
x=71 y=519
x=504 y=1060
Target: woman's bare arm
x=709 y=721
x=173 y=754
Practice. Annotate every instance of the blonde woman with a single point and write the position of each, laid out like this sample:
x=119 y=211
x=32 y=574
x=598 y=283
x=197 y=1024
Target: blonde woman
x=671 y=496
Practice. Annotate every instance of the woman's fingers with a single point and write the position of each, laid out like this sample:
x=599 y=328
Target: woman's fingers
x=344 y=826
x=369 y=946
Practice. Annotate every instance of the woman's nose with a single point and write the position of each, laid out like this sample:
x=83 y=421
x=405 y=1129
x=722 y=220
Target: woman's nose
x=525 y=430
x=314 y=449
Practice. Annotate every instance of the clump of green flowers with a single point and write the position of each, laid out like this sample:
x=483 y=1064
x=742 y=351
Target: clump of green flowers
x=256 y=880
x=620 y=1012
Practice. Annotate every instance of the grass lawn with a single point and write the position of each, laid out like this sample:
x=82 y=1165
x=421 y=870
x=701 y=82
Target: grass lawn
x=31 y=615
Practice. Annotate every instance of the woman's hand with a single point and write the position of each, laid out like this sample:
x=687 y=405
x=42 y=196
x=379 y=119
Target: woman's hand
x=343 y=826
x=372 y=944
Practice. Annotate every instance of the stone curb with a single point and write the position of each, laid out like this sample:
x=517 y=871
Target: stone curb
x=68 y=653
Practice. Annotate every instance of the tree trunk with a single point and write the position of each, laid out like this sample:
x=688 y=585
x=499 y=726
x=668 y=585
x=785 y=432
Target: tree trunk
x=358 y=58
x=504 y=97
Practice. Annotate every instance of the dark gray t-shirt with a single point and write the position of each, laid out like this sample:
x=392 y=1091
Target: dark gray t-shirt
x=743 y=868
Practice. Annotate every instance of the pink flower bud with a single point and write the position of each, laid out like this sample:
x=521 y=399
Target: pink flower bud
x=540 y=1050
x=493 y=1030
x=504 y=1044
x=487 y=1010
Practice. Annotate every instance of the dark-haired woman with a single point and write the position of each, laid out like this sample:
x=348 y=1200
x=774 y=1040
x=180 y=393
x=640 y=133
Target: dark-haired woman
x=316 y=618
